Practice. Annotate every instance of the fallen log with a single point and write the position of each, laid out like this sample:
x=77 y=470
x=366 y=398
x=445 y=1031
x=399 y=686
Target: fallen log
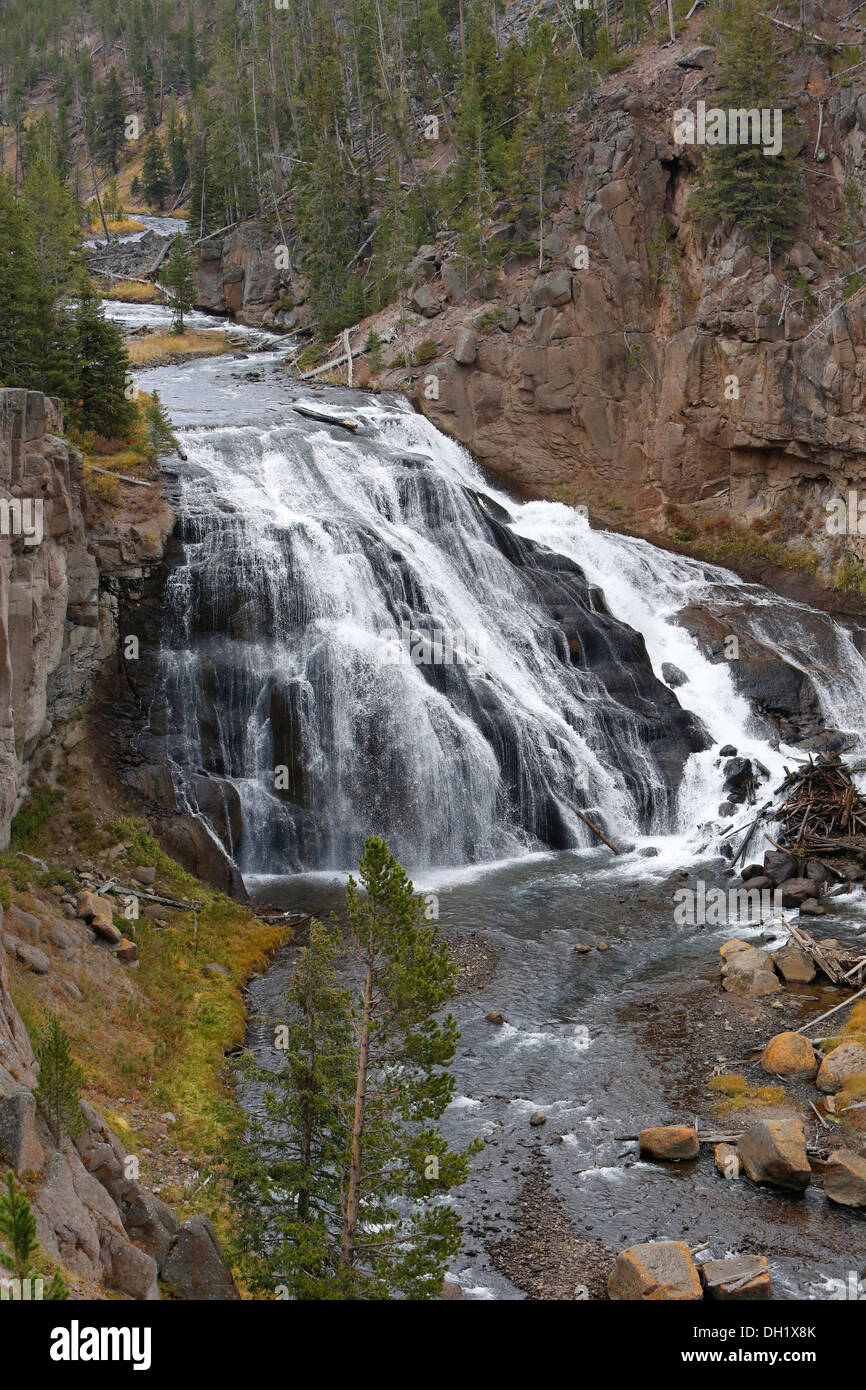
x=834 y=1010
x=122 y=477
x=340 y=421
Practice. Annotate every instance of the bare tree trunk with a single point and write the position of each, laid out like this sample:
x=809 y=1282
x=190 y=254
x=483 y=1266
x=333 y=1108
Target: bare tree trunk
x=353 y=1195
x=671 y=21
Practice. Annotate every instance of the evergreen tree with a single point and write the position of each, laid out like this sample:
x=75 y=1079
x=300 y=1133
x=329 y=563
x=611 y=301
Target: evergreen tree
x=762 y=192
x=179 y=277
x=18 y=1230
x=397 y=1235
x=286 y=1168
x=52 y=224
x=112 y=121
x=57 y=1093
x=26 y=315
x=154 y=175
x=161 y=435
x=100 y=402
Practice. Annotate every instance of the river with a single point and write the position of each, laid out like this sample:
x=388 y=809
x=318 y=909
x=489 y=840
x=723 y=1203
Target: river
x=599 y=1042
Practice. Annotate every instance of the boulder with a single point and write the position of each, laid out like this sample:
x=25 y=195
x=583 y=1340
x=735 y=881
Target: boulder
x=19 y=1141
x=144 y=874
x=659 y=1270
x=669 y=1143
x=33 y=958
x=425 y=301
x=126 y=950
x=790 y=1055
x=195 y=1269
x=150 y=1223
x=794 y=965
x=847 y=1060
x=796 y=891
x=700 y=57
x=495 y=1017
x=551 y=291
x=778 y=865
x=130 y=1270
x=774 y=1152
x=845 y=1178
x=747 y=970
x=23 y=924
x=539 y=1118
x=673 y=676
x=811 y=908
x=745 y=1277
x=466 y=347
x=729 y=751
x=91 y=905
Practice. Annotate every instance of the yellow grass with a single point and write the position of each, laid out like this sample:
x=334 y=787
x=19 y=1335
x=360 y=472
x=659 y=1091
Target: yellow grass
x=739 y=1095
x=117 y=226
x=145 y=351
x=134 y=291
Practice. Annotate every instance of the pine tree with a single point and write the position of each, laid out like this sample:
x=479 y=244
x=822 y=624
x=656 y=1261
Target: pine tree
x=112 y=121
x=18 y=1229
x=397 y=1235
x=100 y=402
x=154 y=173
x=161 y=435
x=60 y=1080
x=26 y=314
x=179 y=277
x=286 y=1167
x=762 y=192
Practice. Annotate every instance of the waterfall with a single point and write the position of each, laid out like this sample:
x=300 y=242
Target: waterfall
x=362 y=636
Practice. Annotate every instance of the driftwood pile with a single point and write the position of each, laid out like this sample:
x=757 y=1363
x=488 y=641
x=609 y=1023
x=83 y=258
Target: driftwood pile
x=823 y=807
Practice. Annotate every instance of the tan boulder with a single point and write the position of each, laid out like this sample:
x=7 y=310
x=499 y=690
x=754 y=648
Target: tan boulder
x=659 y=1270
x=747 y=970
x=845 y=1178
x=790 y=1055
x=744 y=1277
x=847 y=1060
x=669 y=1143
x=794 y=965
x=774 y=1152
x=126 y=950
x=92 y=905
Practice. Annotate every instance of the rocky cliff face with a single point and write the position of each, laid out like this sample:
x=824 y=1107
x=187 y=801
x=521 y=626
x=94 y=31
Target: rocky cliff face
x=50 y=639
x=675 y=368
x=655 y=368
x=63 y=576
x=242 y=274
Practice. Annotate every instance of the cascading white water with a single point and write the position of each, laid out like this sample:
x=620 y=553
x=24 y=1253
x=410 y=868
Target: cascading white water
x=299 y=714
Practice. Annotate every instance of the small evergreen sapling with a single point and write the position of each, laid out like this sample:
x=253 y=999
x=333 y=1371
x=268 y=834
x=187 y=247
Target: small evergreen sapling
x=60 y=1081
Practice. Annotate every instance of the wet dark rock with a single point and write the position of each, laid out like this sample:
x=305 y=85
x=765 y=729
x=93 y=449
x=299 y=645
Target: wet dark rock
x=729 y=751
x=778 y=865
x=673 y=675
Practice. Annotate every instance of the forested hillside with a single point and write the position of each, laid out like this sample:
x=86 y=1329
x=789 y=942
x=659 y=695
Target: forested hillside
x=360 y=128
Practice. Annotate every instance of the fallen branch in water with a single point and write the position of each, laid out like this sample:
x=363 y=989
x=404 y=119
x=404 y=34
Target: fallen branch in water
x=343 y=423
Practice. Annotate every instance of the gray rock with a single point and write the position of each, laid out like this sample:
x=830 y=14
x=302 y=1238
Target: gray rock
x=150 y=1223
x=33 y=958
x=195 y=1269
x=551 y=291
x=699 y=57
x=466 y=347
x=23 y=924
x=19 y=1140
x=673 y=675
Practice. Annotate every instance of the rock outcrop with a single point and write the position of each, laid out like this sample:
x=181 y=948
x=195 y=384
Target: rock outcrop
x=93 y=1216
x=50 y=640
